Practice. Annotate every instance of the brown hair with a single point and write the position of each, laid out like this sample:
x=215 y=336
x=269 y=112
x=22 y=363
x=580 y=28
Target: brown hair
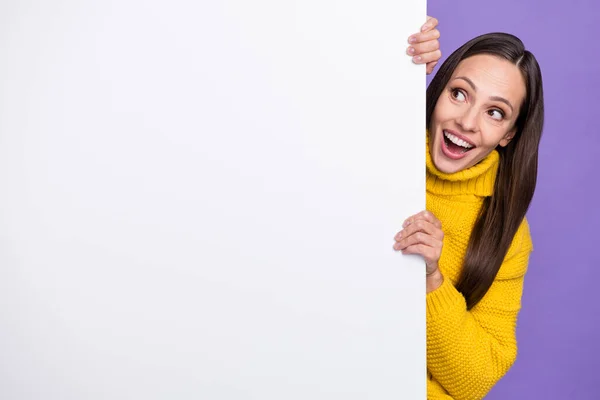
x=503 y=212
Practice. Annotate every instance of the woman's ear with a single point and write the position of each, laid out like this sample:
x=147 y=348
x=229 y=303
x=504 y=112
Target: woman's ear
x=507 y=138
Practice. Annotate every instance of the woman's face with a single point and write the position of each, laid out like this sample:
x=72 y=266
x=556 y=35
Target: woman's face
x=476 y=112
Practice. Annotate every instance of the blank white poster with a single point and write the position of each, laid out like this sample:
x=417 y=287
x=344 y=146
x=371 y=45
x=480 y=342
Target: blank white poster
x=198 y=200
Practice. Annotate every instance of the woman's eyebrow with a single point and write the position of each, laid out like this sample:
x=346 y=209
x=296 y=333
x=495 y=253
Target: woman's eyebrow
x=495 y=98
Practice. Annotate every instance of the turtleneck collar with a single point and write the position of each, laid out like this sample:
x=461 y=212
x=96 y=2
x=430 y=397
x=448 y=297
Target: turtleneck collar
x=478 y=180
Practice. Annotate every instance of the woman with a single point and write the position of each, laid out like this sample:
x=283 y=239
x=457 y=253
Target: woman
x=485 y=116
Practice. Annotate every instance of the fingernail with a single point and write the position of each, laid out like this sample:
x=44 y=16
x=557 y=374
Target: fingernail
x=425 y=27
x=412 y=39
x=399 y=235
x=411 y=50
x=417 y=58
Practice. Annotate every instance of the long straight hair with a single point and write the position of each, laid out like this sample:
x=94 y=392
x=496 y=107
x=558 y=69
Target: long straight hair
x=502 y=213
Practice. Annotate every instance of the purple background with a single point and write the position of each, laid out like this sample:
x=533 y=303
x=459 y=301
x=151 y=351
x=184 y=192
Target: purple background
x=559 y=343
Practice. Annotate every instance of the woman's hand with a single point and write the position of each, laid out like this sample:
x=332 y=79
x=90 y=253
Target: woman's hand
x=422 y=234
x=424 y=46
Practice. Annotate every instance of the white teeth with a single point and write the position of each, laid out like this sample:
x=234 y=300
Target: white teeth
x=457 y=141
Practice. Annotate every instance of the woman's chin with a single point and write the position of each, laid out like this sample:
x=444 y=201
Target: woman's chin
x=445 y=164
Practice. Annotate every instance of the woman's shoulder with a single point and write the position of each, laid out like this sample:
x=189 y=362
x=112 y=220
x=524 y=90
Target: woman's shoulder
x=517 y=257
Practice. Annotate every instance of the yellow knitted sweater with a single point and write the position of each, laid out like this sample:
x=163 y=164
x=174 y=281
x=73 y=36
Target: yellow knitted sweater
x=469 y=351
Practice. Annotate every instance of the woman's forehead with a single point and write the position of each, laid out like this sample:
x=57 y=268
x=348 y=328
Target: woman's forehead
x=487 y=73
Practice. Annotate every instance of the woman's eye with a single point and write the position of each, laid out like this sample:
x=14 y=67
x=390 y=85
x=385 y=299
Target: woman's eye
x=458 y=95
x=496 y=114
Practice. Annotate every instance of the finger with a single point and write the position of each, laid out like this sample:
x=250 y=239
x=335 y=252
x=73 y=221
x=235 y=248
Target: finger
x=418 y=238
x=429 y=254
x=421 y=226
x=409 y=220
x=426 y=223
x=426 y=215
x=431 y=66
x=429 y=216
x=422 y=48
x=424 y=36
x=417 y=224
x=430 y=23
x=427 y=57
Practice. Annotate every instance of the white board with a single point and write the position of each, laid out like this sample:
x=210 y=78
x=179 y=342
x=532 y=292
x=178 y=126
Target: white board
x=198 y=200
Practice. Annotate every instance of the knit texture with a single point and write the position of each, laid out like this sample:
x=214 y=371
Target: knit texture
x=469 y=351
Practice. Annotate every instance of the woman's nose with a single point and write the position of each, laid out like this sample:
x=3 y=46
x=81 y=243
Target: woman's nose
x=469 y=120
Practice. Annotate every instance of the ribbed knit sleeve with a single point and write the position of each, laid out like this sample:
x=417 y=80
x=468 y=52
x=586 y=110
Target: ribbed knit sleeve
x=469 y=351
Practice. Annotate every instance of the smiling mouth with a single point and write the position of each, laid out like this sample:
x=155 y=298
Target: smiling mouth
x=456 y=145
